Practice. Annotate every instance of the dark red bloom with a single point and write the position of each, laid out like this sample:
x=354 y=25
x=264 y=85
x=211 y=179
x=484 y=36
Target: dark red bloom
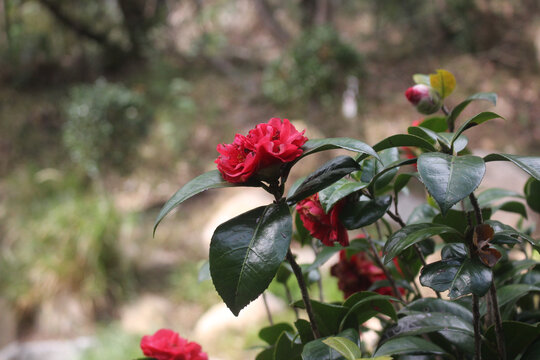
x=358 y=274
x=267 y=145
x=165 y=344
x=325 y=227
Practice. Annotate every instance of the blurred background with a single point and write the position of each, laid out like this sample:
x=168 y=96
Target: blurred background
x=107 y=107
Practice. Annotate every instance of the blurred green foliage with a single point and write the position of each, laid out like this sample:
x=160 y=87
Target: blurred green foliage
x=314 y=68
x=105 y=124
x=59 y=239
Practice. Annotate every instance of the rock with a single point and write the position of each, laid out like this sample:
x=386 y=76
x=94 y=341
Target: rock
x=48 y=350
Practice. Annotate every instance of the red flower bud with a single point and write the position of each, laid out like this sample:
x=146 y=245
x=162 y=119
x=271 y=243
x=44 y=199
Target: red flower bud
x=425 y=98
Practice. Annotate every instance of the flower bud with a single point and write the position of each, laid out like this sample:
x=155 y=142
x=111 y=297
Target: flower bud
x=426 y=99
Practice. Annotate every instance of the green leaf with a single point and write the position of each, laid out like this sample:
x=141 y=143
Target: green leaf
x=355 y=215
x=206 y=181
x=326 y=175
x=432 y=305
x=460 y=276
x=344 y=346
x=425 y=323
x=489 y=196
x=404 y=140
x=366 y=304
x=409 y=345
x=266 y=354
x=459 y=221
x=271 y=334
x=327 y=316
x=287 y=348
x=331 y=195
x=304 y=330
x=388 y=174
x=402 y=180
x=246 y=252
x=422 y=213
x=410 y=235
x=475 y=120
x=424 y=133
x=384 y=170
x=448 y=178
x=513 y=207
x=443 y=81
x=517 y=336
x=532 y=352
x=510 y=293
x=421 y=79
x=435 y=123
x=454 y=251
x=529 y=164
x=324 y=255
x=315 y=145
x=532 y=194
x=318 y=350
x=511 y=269
x=447 y=138
x=492 y=97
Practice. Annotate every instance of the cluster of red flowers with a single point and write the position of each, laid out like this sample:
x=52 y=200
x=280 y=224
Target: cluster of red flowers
x=358 y=273
x=265 y=146
x=166 y=344
x=325 y=227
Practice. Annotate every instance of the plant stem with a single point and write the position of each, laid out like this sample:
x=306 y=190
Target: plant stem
x=499 y=333
x=476 y=324
x=381 y=265
x=494 y=308
x=305 y=295
x=267 y=308
x=290 y=299
x=319 y=282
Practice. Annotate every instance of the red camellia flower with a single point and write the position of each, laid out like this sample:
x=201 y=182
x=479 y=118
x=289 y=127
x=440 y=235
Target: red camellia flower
x=425 y=98
x=165 y=344
x=267 y=145
x=358 y=273
x=325 y=227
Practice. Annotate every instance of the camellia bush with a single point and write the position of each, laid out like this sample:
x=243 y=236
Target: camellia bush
x=485 y=302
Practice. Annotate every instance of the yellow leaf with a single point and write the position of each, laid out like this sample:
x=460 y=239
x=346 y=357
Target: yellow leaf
x=443 y=81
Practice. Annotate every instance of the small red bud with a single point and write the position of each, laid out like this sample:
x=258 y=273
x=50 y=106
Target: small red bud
x=425 y=98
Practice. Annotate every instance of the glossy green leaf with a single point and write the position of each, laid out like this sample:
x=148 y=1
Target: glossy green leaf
x=402 y=180
x=511 y=269
x=304 y=330
x=327 y=316
x=475 y=120
x=365 y=305
x=425 y=323
x=206 y=181
x=316 y=145
x=459 y=221
x=410 y=235
x=344 y=346
x=423 y=213
x=266 y=354
x=318 y=350
x=529 y=164
x=246 y=252
x=513 y=207
x=431 y=305
x=510 y=293
x=435 y=123
x=460 y=276
x=532 y=194
x=409 y=345
x=404 y=140
x=331 y=195
x=459 y=144
x=517 y=336
x=448 y=178
x=388 y=173
x=355 y=215
x=326 y=175
x=489 y=196
x=271 y=334
x=532 y=352
x=456 y=111
x=287 y=348
x=424 y=133
x=454 y=251
x=383 y=170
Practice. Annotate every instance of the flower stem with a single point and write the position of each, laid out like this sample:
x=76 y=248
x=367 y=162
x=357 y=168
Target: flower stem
x=290 y=299
x=305 y=295
x=267 y=308
x=476 y=324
